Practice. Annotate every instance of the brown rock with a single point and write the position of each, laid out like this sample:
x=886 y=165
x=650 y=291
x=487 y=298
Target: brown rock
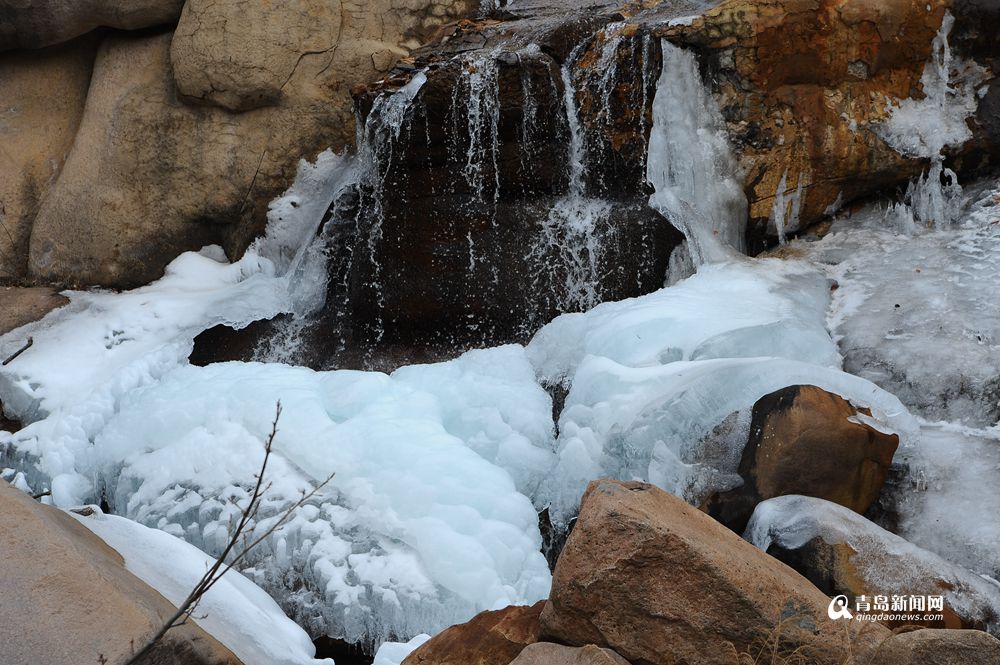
x=662 y=583
x=68 y=598
x=44 y=93
x=546 y=653
x=21 y=306
x=941 y=647
x=37 y=23
x=802 y=83
x=461 y=240
x=804 y=440
x=490 y=638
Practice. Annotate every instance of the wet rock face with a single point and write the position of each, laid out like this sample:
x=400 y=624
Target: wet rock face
x=497 y=200
x=463 y=252
x=974 y=37
x=802 y=83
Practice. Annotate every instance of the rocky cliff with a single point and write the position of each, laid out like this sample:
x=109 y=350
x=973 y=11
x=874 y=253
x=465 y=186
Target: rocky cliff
x=510 y=186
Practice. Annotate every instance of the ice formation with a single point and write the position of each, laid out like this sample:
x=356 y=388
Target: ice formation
x=690 y=164
x=394 y=653
x=426 y=521
x=912 y=313
x=785 y=211
x=887 y=564
x=736 y=309
x=439 y=469
x=654 y=382
x=674 y=425
x=235 y=611
x=948 y=500
x=925 y=127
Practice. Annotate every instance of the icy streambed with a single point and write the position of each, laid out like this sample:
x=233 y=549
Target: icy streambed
x=440 y=469
x=917 y=312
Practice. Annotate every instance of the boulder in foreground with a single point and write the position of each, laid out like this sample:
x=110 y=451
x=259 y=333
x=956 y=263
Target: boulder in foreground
x=940 y=647
x=490 y=638
x=547 y=653
x=68 y=598
x=662 y=583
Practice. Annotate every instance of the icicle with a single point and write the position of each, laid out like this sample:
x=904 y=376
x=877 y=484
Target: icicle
x=691 y=166
x=778 y=210
x=786 y=210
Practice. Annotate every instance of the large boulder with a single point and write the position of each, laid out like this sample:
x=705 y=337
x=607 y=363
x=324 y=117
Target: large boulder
x=242 y=55
x=941 y=647
x=547 y=653
x=149 y=177
x=490 y=638
x=842 y=553
x=662 y=583
x=805 y=440
x=37 y=23
x=44 y=94
x=186 y=138
x=68 y=598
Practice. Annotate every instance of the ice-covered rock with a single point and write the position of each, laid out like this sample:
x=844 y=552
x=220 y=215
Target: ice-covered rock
x=947 y=500
x=673 y=425
x=804 y=440
x=87 y=355
x=844 y=553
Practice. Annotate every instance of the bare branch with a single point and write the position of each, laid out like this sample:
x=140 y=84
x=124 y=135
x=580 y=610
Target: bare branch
x=241 y=533
x=27 y=345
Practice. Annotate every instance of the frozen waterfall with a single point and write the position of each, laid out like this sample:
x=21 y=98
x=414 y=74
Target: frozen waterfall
x=691 y=166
